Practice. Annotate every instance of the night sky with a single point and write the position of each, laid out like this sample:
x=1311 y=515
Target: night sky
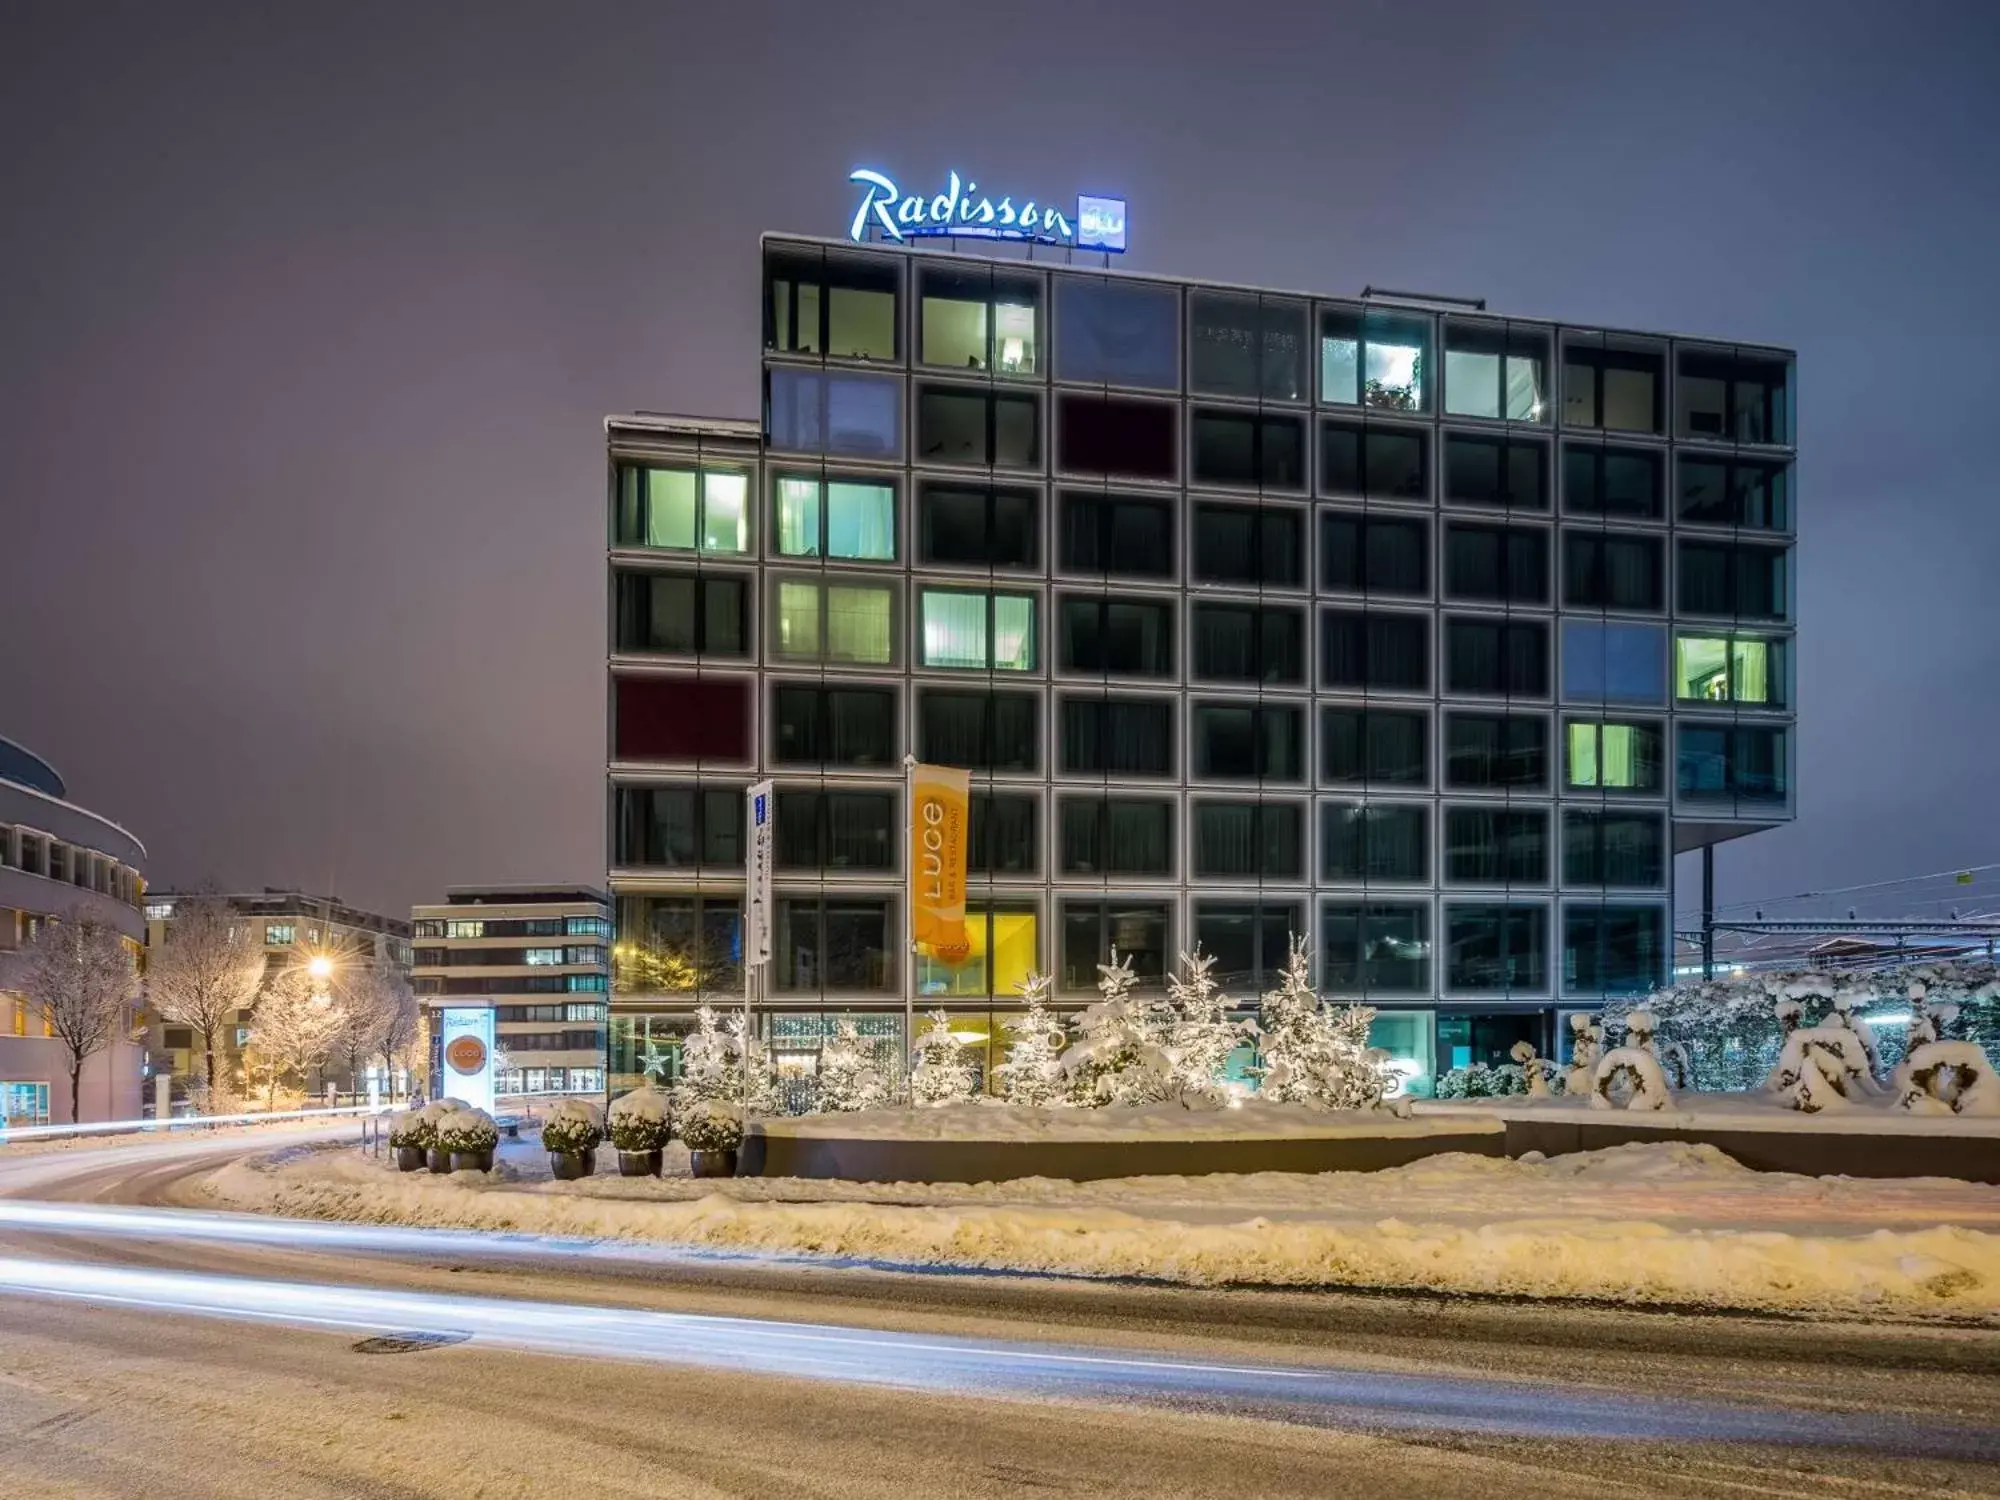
x=309 y=315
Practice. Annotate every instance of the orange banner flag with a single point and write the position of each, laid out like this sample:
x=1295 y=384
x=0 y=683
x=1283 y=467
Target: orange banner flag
x=939 y=827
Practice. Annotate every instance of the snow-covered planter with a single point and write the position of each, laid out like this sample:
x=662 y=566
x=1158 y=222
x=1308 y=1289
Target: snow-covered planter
x=469 y=1137
x=1634 y=1068
x=1479 y=1081
x=641 y=1124
x=571 y=1135
x=411 y=1138
x=713 y=1133
x=430 y=1117
x=1948 y=1078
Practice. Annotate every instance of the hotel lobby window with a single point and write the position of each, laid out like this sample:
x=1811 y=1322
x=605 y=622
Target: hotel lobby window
x=1262 y=840
x=990 y=632
x=1729 y=669
x=1497 y=564
x=834 y=622
x=844 y=412
x=1496 y=752
x=965 y=425
x=683 y=613
x=978 y=527
x=1495 y=372
x=1248 y=741
x=1622 y=482
x=1611 y=570
x=977 y=318
x=834 y=830
x=1741 y=582
x=1248 y=544
x=833 y=304
x=1374 y=747
x=685 y=509
x=1123 y=536
x=1246 y=450
x=1111 y=331
x=981 y=731
x=1374 y=841
x=1116 y=736
x=1379 y=945
x=1508 y=658
x=1508 y=473
x=1093 y=930
x=1613 y=757
x=1374 y=358
x=1742 y=398
x=1747 y=492
x=1361 y=554
x=1617 y=389
x=1608 y=663
x=1247 y=345
x=1124 y=435
x=1724 y=763
x=1117 y=836
x=834 y=726
x=1372 y=462
x=844 y=518
x=1249 y=643
x=1249 y=941
x=1365 y=649
x=1494 y=948
x=1121 y=637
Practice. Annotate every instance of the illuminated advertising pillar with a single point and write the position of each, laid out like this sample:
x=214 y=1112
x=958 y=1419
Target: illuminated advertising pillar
x=466 y=1032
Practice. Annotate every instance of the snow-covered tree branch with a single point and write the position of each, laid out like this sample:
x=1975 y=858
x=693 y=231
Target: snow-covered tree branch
x=208 y=968
x=78 y=974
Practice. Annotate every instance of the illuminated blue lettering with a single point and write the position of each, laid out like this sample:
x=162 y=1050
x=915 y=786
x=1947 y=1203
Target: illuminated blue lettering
x=1007 y=212
x=962 y=209
x=944 y=207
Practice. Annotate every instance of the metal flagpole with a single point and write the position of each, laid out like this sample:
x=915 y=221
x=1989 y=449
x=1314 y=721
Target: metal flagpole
x=909 y=924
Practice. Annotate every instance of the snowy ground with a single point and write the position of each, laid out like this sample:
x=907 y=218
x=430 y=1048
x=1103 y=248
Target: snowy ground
x=1717 y=1111
x=992 y=1121
x=1662 y=1224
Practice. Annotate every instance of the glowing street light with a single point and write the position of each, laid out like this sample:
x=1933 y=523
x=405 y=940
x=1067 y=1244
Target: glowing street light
x=319 y=966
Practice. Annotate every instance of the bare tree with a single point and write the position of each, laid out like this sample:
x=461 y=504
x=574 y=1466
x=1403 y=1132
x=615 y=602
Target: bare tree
x=295 y=1024
x=208 y=968
x=381 y=1019
x=79 y=974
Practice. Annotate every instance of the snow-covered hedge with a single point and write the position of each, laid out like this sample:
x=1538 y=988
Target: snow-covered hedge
x=712 y=1126
x=641 y=1120
x=409 y=1130
x=573 y=1128
x=1478 y=1081
x=466 y=1129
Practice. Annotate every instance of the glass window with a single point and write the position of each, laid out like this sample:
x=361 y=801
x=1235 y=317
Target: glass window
x=1246 y=450
x=1098 y=433
x=1117 y=836
x=839 y=305
x=1622 y=482
x=1732 y=763
x=1744 y=583
x=1614 y=950
x=679 y=827
x=1503 y=564
x=834 y=726
x=1364 y=649
x=829 y=830
x=1248 y=741
x=1246 y=345
x=1093 y=931
x=1496 y=752
x=840 y=943
x=1003 y=950
x=1124 y=536
x=1743 y=398
x=1110 y=331
x=1374 y=554
x=1615 y=757
x=1495 y=372
x=837 y=622
x=974 y=425
x=843 y=518
x=1614 y=848
x=1374 y=462
x=979 y=318
x=1613 y=388
x=1002 y=839
x=1249 y=941
x=1753 y=493
x=688 y=509
x=1496 y=845
x=1605 y=663
x=1494 y=948
x=1265 y=840
x=991 y=632
x=1505 y=657
x=684 y=613
x=1373 y=746
x=1374 y=841
x=1374 y=358
x=1509 y=473
x=1252 y=544
x=1249 y=643
x=1611 y=570
x=980 y=731
x=1378 y=945
x=680 y=718
x=1117 y=736
x=984 y=527
x=1729 y=669
x=832 y=411
x=1128 y=637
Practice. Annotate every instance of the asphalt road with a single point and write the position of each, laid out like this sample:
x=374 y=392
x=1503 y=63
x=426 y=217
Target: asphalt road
x=144 y=1351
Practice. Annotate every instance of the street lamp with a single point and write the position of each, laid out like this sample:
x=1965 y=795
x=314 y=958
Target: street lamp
x=319 y=966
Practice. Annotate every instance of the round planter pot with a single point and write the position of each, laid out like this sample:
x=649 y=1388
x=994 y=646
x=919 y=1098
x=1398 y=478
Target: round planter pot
x=437 y=1160
x=567 y=1166
x=472 y=1161
x=638 y=1164
x=409 y=1158
x=712 y=1163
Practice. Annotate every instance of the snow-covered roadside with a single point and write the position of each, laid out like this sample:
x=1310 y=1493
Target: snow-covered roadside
x=1254 y=1120
x=1670 y=1224
x=1719 y=1111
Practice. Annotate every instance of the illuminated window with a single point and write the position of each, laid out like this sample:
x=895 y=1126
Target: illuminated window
x=1002 y=949
x=838 y=518
x=985 y=631
x=541 y=957
x=834 y=622
x=688 y=510
x=1495 y=372
x=1728 y=669
x=464 y=928
x=1377 y=359
x=279 y=934
x=835 y=304
x=1616 y=757
x=980 y=319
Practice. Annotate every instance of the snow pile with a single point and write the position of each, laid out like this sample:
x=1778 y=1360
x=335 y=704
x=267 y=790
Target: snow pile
x=987 y=1120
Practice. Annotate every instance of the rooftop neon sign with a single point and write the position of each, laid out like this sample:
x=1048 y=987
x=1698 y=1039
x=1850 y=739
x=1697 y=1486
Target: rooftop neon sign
x=962 y=211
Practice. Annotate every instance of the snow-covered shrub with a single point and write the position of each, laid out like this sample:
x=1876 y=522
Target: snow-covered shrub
x=711 y=1125
x=409 y=1130
x=1586 y=1046
x=573 y=1127
x=467 y=1129
x=1634 y=1068
x=1115 y=1054
x=435 y=1113
x=1480 y=1081
x=849 y=1077
x=941 y=1073
x=712 y=1065
x=1200 y=1034
x=1948 y=1078
x=1032 y=1073
x=1821 y=1067
x=1317 y=1054
x=641 y=1120
x=1538 y=1071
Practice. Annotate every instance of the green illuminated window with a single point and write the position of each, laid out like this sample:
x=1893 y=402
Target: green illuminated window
x=834 y=622
x=689 y=510
x=963 y=628
x=1617 y=757
x=837 y=518
x=1728 y=669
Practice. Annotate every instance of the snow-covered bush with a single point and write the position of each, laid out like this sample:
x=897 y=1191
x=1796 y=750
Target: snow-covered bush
x=1948 y=1078
x=1200 y=1033
x=573 y=1127
x=641 y=1120
x=941 y=1073
x=1633 y=1068
x=1316 y=1054
x=849 y=1077
x=1480 y=1081
x=409 y=1130
x=1538 y=1071
x=711 y=1125
x=466 y=1129
x=712 y=1065
x=1586 y=1046
x=1032 y=1073
x=435 y=1113
x=1115 y=1054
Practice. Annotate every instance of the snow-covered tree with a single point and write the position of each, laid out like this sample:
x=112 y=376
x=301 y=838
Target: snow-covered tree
x=78 y=975
x=712 y=1065
x=294 y=1026
x=849 y=1075
x=1313 y=1053
x=380 y=1019
x=1032 y=1073
x=208 y=967
x=1586 y=1046
x=1200 y=1033
x=940 y=1071
x=1116 y=1053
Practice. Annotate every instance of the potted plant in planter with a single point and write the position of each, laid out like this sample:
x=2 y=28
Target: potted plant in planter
x=571 y=1135
x=470 y=1136
x=713 y=1132
x=432 y=1115
x=641 y=1126
x=411 y=1138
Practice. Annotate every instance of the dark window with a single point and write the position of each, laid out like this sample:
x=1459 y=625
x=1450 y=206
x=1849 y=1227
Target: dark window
x=960 y=425
x=682 y=718
x=1501 y=564
x=1496 y=752
x=1607 y=663
x=1509 y=658
x=680 y=612
x=1002 y=839
x=1359 y=649
x=1491 y=947
x=1375 y=358
x=845 y=412
x=1246 y=345
x=1616 y=389
x=980 y=731
x=1369 y=841
x=1111 y=331
x=1608 y=570
x=1373 y=462
x=1117 y=736
x=1248 y=643
x=1496 y=846
x=1611 y=482
x=1494 y=471
x=1245 y=450
x=835 y=726
x=1092 y=931
x=1374 y=554
x=1116 y=836
x=1097 y=434
x=1743 y=492
x=1248 y=544
x=1131 y=637
x=979 y=318
x=841 y=943
x=1746 y=583
x=840 y=305
x=1741 y=398
x=827 y=830
x=1249 y=941
x=959 y=526
x=1247 y=741
x=678 y=828
x=1614 y=950
x=1262 y=839
x=1720 y=764
x=1375 y=746
x=1376 y=945
x=1496 y=372
x=1117 y=535
x=1614 y=848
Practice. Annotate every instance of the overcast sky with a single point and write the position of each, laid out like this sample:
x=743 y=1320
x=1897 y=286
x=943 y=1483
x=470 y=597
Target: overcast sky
x=309 y=315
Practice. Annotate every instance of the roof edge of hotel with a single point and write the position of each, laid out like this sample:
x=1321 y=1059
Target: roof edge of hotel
x=581 y=889
x=672 y=422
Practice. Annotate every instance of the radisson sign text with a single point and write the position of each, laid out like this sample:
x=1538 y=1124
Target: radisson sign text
x=962 y=211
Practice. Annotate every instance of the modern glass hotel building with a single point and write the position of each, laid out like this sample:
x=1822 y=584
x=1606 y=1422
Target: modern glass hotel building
x=1428 y=633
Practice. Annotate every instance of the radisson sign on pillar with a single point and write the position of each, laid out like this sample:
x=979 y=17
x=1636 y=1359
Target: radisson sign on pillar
x=963 y=211
x=939 y=802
